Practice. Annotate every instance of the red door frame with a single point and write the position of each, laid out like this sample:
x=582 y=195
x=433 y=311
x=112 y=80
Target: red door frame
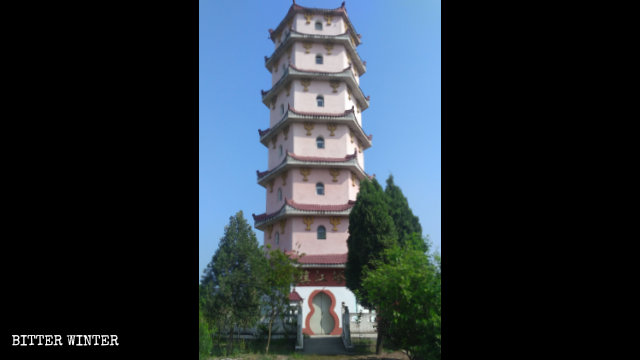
x=337 y=330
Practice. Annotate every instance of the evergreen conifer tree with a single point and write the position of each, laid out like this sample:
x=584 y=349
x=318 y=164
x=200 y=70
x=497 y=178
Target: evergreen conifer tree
x=407 y=225
x=233 y=281
x=371 y=230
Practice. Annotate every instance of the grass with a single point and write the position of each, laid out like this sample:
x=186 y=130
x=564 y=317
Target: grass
x=282 y=349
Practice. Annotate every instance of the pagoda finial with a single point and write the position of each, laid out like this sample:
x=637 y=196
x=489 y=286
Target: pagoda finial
x=342 y=6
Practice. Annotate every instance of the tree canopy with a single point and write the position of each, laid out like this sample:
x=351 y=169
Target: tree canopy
x=406 y=285
x=371 y=231
x=232 y=282
x=407 y=224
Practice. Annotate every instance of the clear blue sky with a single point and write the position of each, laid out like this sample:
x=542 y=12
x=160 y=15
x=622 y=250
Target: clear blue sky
x=401 y=44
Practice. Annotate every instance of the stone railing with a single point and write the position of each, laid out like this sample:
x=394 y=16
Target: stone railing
x=346 y=330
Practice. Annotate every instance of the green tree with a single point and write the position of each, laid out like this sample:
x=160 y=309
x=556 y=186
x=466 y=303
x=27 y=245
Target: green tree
x=407 y=287
x=233 y=280
x=204 y=334
x=281 y=274
x=407 y=224
x=371 y=231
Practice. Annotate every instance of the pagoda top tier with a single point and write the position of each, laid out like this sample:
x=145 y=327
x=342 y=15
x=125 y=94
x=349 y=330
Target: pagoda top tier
x=297 y=9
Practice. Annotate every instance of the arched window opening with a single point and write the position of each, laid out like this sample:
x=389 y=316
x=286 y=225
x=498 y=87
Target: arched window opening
x=319 y=59
x=280 y=149
x=318 y=25
x=320 y=188
x=281 y=108
x=320 y=100
x=279 y=194
x=320 y=142
x=322 y=233
x=277 y=238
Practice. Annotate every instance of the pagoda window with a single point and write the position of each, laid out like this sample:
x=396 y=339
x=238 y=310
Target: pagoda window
x=280 y=149
x=277 y=238
x=322 y=233
x=279 y=194
x=281 y=108
x=320 y=101
x=318 y=25
x=320 y=188
x=320 y=142
x=319 y=59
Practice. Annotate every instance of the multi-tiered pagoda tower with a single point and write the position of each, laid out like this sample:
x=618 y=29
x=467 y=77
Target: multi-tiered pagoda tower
x=315 y=142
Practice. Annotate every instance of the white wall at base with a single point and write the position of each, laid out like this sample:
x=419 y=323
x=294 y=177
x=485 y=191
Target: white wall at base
x=341 y=293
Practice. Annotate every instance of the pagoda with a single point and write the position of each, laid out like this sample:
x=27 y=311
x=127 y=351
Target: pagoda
x=315 y=143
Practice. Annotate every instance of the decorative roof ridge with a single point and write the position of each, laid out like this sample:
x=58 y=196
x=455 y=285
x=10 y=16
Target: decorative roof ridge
x=262 y=174
x=318 y=207
x=302 y=207
x=264 y=216
x=262 y=132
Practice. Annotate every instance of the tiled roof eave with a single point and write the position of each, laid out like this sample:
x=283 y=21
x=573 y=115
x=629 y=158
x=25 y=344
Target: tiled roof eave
x=288 y=210
x=290 y=162
x=292 y=74
x=290 y=116
x=342 y=39
x=314 y=266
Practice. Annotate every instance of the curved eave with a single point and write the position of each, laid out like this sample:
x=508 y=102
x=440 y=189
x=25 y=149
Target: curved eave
x=290 y=116
x=290 y=162
x=287 y=210
x=292 y=74
x=342 y=39
x=297 y=9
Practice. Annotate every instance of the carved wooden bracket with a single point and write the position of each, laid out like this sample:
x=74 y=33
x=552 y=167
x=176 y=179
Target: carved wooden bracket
x=305 y=83
x=285 y=131
x=351 y=135
x=353 y=179
x=349 y=93
x=308 y=220
x=335 y=221
x=307 y=46
x=271 y=186
x=273 y=103
x=288 y=88
x=328 y=18
x=334 y=85
x=334 y=173
x=284 y=178
x=269 y=230
x=305 y=172
x=282 y=224
x=289 y=53
x=329 y=47
x=308 y=126
x=359 y=147
x=308 y=17
x=332 y=128
x=274 y=139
